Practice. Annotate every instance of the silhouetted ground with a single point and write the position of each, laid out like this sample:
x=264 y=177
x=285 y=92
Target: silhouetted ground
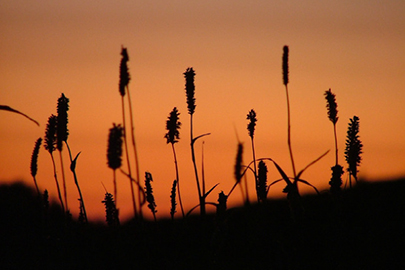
x=363 y=228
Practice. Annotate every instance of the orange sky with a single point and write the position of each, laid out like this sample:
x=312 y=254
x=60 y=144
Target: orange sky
x=354 y=47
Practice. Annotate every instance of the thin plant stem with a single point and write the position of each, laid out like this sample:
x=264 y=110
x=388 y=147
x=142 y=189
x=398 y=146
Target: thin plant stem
x=336 y=143
x=127 y=154
x=57 y=184
x=289 y=132
x=177 y=179
x=247 y=202
x=255 y=168
x=115 y=185
x=63 y=180
x=135 y=150
x=201 y=198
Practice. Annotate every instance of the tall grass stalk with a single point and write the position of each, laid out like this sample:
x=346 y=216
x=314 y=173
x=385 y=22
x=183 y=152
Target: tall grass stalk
x=285 y=82
x=135 y=152
x=61 y=136
x=123 y=83
x=251 y=116
x=34 y=163
x=190 y=91
x=172 y=136
x=50 y=146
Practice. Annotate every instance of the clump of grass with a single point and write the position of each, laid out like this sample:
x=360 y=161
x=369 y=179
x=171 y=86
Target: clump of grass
x=354 y=148
x=293 y=195
x=50 y=146
x=337 y=170
x=62 y=136
x=114 y=152
x=149 y=194
x=172 y=136
x=34 y=163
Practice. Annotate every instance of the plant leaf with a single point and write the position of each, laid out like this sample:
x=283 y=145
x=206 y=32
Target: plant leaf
x=198 y=137
x=309 y=184
x=73 y=164
x=282 y=173
x=312 y=163
x=209 y=191
x=7 y=108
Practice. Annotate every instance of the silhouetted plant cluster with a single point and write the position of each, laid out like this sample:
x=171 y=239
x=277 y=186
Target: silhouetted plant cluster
x=121 y=138
x=56 y=134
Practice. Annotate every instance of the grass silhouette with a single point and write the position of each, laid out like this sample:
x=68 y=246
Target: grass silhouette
x=279 y=234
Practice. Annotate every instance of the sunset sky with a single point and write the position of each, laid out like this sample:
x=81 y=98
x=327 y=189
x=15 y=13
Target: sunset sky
x=356 y=48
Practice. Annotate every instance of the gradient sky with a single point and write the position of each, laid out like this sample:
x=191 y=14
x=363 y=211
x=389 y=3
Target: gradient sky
x=356 y=48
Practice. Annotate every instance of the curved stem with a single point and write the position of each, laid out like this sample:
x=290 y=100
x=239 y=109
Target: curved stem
x=63 y=181
x=127 y=155
x=289 y=132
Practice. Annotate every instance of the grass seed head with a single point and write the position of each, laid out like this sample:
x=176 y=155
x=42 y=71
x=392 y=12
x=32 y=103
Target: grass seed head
x=262 y=183
x=238 y=163
x=173 y=199
x=114 y=150
x=149 y=192
x=172 y=126
x=251 y=116
x=331 y=105
x=61 y=127
x=353 y=147
x=190 y=89
x=285 y=65
x=336 y=180
x=111 y=212
x=50 y=134
x=34 y=157
x=124 y=73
